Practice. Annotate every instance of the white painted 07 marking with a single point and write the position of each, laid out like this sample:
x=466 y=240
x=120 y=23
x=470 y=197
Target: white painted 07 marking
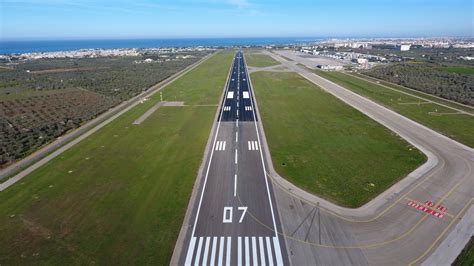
x=227 y=216
x=244 y=211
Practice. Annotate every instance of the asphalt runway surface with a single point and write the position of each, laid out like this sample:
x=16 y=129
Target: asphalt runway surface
x=234 y=218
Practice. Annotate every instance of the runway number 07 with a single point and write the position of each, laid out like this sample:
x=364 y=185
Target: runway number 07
x=228 y=214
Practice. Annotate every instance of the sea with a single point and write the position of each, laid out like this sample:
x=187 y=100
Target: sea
x=19 y=47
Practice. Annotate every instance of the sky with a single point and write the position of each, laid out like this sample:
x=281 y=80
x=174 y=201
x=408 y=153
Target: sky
x=137 y=19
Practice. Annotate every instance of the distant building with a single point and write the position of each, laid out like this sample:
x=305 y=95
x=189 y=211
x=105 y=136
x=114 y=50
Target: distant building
x=405 y=47
x=330 y=67
x=360 y=61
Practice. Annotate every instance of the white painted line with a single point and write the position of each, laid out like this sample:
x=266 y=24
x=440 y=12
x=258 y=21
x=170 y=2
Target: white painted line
x=235 y=155
x=247 y=252
x=252 y=143
x=246 y=95
x=227 y=256
x=278 y=257
x=213 y=251
x=249 y=146
x=239 y=250
x=221 y=251
x=235 y=185
x=189 y=256
x=206 y=251
x=254 y=251
x=237 y=123
x=256 y=145
x=236 y=136
x=223 y=146
x=262 y=251
x=269 y=251
x=198 y=252
x=230 y=95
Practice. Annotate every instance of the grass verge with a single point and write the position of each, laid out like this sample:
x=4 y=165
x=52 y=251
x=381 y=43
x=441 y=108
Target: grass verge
x=260 y=60
x=119 y=196
x=455 y=125
x=466 y=258
x=325 y=146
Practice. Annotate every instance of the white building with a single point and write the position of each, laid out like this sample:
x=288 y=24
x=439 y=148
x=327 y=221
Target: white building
x=405 y=47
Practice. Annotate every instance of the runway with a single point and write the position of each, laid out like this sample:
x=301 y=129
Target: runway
x=234 y=219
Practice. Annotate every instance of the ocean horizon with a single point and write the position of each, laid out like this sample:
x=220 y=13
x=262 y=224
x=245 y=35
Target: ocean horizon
x=30 y=46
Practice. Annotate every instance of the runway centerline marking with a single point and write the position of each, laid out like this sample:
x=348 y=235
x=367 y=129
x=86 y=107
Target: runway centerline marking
x=235 y=185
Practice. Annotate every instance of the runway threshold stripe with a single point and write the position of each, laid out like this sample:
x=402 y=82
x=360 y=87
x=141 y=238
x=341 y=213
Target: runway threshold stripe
x=229 y=246
x=223 y=146
x=269 y=251
x=249 y=146
x=206 y=251
x=221 y=251
x=278 y=256
x=198 y=252
x=262 y=251
x=213 y=251
x=239 y=250
x=189 y=256
x=247 y=251
x=254 y=251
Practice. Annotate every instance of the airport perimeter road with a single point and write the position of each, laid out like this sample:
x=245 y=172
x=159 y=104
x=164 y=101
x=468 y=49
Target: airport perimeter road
x=234 y=219
x=405 y=224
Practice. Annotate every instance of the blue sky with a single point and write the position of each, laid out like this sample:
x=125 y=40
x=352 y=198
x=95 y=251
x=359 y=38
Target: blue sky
x=98 y=19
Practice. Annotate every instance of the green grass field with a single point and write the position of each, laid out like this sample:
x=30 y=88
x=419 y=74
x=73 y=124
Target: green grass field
x=439 y=118
x=460 y=70
x=325 y=146
x=417 y=93
x=260 y=60
x=466 y=258
x=119 y=196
